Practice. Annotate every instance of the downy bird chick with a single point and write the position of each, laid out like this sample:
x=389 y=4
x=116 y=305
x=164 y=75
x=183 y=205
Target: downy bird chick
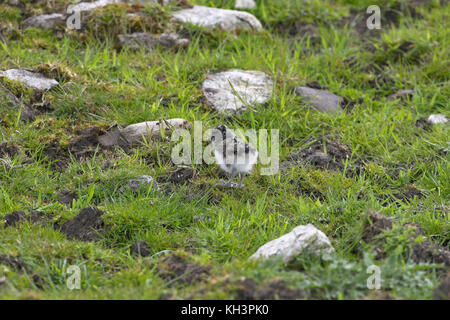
x=232 y=154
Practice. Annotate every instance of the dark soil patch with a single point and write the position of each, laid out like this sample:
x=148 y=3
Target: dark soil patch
x=332 y=155
x=175 y=269
x=85 y=145
x=424 y=251
x=423 y=124
x=180 y=176
x=408 y=193
x=14 y=219
x=140 y=249
x=92 y=138
x=86 y=226
x=67 y=196
x=22 y=267
x=442 y=292
x=248 y=290
x=377 y=223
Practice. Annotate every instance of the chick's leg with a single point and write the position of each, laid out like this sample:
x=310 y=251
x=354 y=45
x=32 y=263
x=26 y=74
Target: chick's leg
x=230 y=183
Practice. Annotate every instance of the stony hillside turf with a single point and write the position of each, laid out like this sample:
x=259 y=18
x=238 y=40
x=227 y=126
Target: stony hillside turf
x=87 y=177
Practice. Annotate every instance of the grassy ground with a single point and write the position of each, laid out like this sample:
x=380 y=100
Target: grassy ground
x=403 y=170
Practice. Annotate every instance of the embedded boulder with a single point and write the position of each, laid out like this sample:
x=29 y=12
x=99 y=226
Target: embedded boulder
x=230 y=91
x=300 y=240
x=136 y=133
x=221 y=19
x=30 y=79
x=322 y=100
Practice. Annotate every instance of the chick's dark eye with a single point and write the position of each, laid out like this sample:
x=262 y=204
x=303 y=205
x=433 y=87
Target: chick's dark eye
x=213 y=138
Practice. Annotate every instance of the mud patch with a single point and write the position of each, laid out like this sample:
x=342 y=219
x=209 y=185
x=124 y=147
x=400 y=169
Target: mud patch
x=92 y=139
x=175 y=269
x=247 y=289
x=86 y=226
x=329 y=155
x=140 y=249
x=14 y=219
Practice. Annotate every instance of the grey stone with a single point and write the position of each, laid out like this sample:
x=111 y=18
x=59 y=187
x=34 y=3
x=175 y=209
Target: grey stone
x=135 y=133
x=301 y=239
x=45 y=21
x=30 y=79
x=213 y=18
x=322 y=100
x=253 y=87
x=141 y=40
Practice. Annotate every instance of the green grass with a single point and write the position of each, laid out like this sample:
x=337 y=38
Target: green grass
x=120 y=86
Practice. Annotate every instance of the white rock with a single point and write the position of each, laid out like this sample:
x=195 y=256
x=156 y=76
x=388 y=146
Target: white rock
x=213 y=18
x=152 y=129
x=437 y=118
x=30 y=79
x=300 y=239
x=45 y=21
x=88 y=6
x=322 y=100
x=244 y=4
x=251 y=86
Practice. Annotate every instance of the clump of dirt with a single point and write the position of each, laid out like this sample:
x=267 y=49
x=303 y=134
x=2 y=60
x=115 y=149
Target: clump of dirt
x=86 y=226
x=140 y=249
x=22 y=267
x=248 y=290
x=57 y=154
x=14 y=219
x=423 y=124
x=408 y=193
x=85 y=145
x=442 y=292
x=180 y=176
x=377 y=223
x=424 y=251
x=323 y=155
x=175 y=269
x=67 y=196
